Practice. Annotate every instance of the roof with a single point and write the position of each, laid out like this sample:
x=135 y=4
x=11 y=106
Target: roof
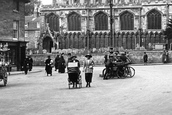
x=31 y=22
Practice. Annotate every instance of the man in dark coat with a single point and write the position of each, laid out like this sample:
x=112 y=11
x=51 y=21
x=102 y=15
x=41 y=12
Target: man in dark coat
x=48 y=66
x=62 y=64
x=57 y=62
x=26 y=65
x=145 y=58
x=30 y=60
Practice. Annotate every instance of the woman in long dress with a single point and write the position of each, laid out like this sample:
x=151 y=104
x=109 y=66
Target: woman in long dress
x=88 y=69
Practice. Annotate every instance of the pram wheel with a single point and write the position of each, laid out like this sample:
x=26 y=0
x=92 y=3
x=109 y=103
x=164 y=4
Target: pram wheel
x=74 y=83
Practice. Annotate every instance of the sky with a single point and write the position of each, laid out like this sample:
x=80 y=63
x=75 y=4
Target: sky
x=45 y=2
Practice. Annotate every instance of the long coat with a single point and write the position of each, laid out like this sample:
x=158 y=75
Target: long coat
x=88 y=66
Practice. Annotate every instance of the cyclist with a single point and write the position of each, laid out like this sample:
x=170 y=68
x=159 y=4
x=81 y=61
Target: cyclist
x=124 y=60
x=109 y=58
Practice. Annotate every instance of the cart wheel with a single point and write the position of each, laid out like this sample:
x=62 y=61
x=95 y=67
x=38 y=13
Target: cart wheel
x=5 y=79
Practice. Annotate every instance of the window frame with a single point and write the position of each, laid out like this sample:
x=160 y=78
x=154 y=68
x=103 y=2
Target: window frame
x=16 y=29
x=157 y=25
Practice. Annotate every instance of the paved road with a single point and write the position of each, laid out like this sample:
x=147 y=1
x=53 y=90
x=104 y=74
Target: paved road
x=148 y=93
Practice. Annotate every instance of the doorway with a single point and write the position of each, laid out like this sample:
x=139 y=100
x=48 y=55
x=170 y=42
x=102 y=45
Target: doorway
x=47 y=44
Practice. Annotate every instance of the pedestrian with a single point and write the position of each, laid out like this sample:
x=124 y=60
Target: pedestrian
x=30 y=60
x=26 y=65
x=69 y=57
x=88 y=69
x=145 y=58
x=57 y=62
x=73 y=66
x=48 y=66
x=62 y=64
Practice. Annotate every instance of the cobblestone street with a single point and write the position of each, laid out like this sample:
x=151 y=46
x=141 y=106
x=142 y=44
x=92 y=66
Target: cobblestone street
x=147 y=93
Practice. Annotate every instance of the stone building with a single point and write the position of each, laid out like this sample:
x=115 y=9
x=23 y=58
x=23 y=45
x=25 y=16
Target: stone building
x=33 y=26
x=12 y=30
x=87 y=23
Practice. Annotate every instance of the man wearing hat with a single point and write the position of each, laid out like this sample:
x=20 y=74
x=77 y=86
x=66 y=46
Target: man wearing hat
x=73 y=72
x=48 y=65
x=108 y=60
x=88 y=69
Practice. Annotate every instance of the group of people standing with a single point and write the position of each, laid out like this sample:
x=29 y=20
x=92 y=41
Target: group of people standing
x=73 y=72
x=60 y=64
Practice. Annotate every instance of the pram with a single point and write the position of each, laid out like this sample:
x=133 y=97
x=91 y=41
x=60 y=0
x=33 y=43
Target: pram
x=74 y=75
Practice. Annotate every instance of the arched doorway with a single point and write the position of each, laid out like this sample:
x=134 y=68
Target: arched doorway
x=47 y=44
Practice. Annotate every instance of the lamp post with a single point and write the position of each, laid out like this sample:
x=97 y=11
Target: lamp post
x=111 y=22
x=140 y=37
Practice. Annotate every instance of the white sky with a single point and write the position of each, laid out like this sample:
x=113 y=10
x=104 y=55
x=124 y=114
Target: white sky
x=45 y=2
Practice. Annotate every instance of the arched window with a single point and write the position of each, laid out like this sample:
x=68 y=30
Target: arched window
x=154 y=19
x=101 y=21
x=53 y=21
x=74 y=22
x=127 y=21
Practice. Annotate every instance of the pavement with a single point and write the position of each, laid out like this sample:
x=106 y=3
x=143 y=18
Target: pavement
x=147 y=93
x=37 y=69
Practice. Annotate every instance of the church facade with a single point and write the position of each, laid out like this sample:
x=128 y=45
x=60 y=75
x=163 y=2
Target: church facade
x=88 y=23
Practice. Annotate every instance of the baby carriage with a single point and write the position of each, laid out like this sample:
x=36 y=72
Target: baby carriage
x=74 y=75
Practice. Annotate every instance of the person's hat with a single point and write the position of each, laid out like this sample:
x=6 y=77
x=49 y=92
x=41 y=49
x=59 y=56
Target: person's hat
x=111 y=48
x=88 y=55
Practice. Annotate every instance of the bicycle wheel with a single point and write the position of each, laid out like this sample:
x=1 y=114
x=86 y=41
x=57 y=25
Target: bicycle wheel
x=105 y=74
x=5 y=79
x=130 y=72
x=120 y=73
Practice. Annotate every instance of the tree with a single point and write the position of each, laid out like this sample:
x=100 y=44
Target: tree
x=29 y=8
x=168 y=30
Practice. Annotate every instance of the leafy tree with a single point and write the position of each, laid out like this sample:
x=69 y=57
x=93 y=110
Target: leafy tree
x=29 y=8
x=168 y=30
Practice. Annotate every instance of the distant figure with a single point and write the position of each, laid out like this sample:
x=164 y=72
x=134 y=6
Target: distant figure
x=48 y=65
x=62 y=64
x=26 y=65
x=69 y=57
x=145 y=58
x=30 y=60
x=57 y=62
x=165 y=56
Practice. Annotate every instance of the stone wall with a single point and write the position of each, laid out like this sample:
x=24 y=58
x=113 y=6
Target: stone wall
x=98 y=57
x=8 y=15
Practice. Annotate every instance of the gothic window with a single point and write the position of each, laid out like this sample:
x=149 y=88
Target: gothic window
x=53 y=21
x=127 y=21
x=98 y=1
x=76 y=1
x=154 y=20
x=101 y=21
x=74 y=22
x=87 y=1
